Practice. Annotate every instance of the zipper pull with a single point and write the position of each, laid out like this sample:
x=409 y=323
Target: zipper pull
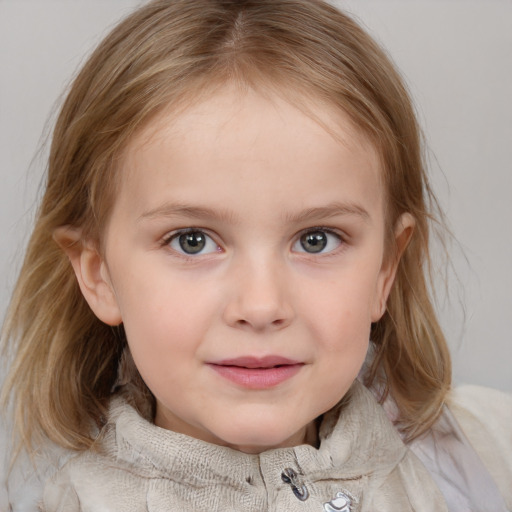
x=290 y=477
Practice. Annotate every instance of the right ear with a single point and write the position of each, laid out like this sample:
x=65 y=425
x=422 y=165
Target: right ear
x=91 y=273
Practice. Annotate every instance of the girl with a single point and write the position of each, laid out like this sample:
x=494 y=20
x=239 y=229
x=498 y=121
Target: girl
x=236 y=204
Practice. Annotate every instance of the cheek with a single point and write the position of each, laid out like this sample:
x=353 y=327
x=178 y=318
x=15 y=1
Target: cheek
x=165 y=314
x=339 y=315
x=343 y=305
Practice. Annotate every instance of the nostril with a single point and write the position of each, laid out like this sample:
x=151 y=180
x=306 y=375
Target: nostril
x=260 y=324
x=257 y=315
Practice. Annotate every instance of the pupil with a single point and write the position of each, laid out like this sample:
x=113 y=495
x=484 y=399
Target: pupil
x=192 y=243
x=314 y=242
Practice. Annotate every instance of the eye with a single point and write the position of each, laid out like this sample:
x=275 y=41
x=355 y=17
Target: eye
x=192 y=242
x=317 y=241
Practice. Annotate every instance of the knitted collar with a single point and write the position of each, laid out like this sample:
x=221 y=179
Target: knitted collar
x=356 y=440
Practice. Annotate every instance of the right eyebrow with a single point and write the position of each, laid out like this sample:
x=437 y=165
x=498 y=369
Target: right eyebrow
x=167 y=210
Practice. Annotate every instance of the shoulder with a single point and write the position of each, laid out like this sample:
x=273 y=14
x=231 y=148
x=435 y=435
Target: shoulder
x=59 y=495
x=22 y=474
x=485 y=417
x=90 y=482
x=94 y=481
x=477 y=407
x=62 y=491
x=103 y=478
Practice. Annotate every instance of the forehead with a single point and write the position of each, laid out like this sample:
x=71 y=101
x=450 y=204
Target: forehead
x=227 y=106
x=236 y=139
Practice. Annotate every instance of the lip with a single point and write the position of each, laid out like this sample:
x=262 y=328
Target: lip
x=257 y=372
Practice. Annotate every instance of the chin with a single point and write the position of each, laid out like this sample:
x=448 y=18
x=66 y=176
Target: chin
x=262 y=438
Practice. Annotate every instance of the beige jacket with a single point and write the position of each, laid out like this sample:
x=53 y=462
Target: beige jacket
x=361 y=465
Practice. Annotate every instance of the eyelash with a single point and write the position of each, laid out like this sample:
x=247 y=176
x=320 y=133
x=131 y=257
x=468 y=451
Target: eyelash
x=175 y=235
x=168 y=239
x=341 y=240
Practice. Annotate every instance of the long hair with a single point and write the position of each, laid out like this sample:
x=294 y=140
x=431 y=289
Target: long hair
x=65 y=361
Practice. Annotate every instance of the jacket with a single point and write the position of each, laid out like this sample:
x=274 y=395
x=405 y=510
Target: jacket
x=361 y=464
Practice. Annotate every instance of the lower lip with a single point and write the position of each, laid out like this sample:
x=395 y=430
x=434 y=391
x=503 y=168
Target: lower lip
x=257 y=378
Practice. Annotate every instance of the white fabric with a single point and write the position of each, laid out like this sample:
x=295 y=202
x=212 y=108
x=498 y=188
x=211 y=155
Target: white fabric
x=485 y=418
x=143 y=468
x=457 y=469
x=476 y=421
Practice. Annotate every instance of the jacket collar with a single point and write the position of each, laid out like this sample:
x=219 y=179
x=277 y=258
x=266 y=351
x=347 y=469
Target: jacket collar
x=356 y=440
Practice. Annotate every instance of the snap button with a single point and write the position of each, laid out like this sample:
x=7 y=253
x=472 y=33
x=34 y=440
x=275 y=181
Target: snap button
x=290 y=477
x=340 y=503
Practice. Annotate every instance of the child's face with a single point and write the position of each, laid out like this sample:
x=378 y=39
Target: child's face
x=245 y=256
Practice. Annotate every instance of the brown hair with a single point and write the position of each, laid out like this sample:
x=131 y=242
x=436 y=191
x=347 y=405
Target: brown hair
x=65 y=361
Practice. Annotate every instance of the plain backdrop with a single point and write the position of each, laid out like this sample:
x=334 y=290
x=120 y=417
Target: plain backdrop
x=456 y=56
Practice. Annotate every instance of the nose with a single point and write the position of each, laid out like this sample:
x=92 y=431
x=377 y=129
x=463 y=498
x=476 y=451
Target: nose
x=260 y=298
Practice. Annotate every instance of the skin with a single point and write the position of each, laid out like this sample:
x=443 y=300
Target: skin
x=253 y=174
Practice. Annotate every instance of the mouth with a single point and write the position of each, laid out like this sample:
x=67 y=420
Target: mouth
x=257 y=373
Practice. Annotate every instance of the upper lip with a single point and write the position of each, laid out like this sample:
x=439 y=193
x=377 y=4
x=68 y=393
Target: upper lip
x=256 y=362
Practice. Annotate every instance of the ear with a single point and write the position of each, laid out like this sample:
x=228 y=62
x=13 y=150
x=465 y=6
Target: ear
x=404 y=229
x=91 y=273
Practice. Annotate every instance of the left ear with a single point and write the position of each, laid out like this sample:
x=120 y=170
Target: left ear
x=404 y=229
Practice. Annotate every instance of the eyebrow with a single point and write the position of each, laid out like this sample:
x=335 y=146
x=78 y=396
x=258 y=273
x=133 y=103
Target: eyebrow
x=184 y=210
x=200 y=213
x=331 y=210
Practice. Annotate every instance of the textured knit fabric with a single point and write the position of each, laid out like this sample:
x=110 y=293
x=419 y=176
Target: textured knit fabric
x=361 y=463
x=468 y=453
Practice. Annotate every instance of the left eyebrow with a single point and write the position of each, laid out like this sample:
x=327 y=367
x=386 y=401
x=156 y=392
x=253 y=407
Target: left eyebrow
x=329 y=211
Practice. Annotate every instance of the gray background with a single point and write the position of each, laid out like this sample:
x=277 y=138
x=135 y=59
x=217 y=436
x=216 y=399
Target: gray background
x=456 y=56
